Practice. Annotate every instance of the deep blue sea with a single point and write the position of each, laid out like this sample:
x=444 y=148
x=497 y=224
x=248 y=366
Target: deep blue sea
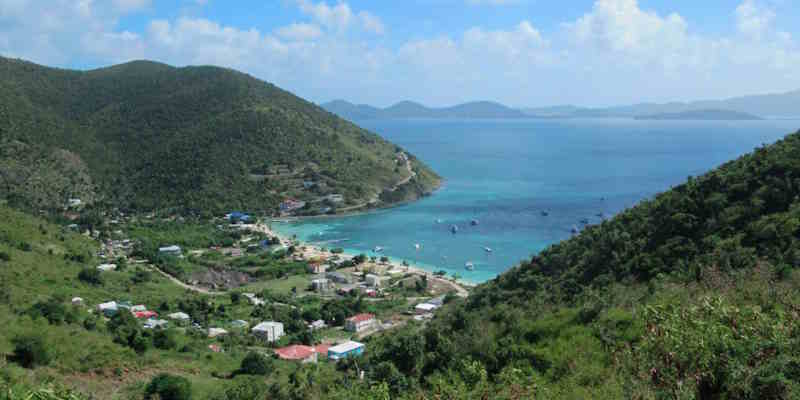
x=504 y=173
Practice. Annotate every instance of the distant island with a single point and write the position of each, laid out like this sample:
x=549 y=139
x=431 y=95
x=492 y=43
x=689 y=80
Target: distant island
x=410 y=109
x=777 y=105
x=702 y=115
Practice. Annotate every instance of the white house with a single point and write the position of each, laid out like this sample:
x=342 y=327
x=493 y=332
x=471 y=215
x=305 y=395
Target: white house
x=155 y=323
x=170 y=250
x=77 y=301
x=373 y=280
x=214 y=332
x=424 y=308
x=359 y=322
x=107 y=267
x=320 y=284
x=269 y=330
x=180 y=317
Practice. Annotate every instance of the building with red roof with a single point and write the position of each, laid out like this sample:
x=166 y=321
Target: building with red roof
x=145 y=314
x=360 y=322
x=297 y=352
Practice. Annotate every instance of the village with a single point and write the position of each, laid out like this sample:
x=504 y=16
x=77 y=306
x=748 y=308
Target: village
x=304 y=304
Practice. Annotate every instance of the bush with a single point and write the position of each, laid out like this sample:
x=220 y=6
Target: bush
x=5 y=256
x=30 y=351
x=255 y=364
x=164 y=340
x=25 y=246
x=169 y=387
x=91 y=276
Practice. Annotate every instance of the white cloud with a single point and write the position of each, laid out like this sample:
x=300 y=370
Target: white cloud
x=371 y=23
x=753 y=20
x=334 y=17
x=299 y=32
x=126 y=6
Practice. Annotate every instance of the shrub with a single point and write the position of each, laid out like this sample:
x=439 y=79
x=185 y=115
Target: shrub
x=30 y=351
x=25 y=246
x=255 y=364
x=5 y=256
x=169 y=387
x=91 y=276
x=164 y=340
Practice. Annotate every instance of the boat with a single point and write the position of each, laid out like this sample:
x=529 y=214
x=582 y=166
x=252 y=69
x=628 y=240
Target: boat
x=487 y=249
x=416 y=246
x=545 y=213
x=439 y=221
x=574 y=229
x=474 y=222
x=584 y=221
x=377 y=249
x=454 y=229
x=469 y=266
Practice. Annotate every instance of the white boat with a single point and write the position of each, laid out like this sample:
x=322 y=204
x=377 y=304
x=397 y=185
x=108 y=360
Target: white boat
x=469 y=266
x=439 y=221
x=487 y=249
x=377 y=249
x=416 y=246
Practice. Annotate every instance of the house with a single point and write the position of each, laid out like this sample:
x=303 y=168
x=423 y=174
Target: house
x=253 y=299
x=215 y=348
x=373 y=280
x=139 y=307
x=180 y=317
x=304 y=354
x=77 y=301
x=344 y=350
x=334 y=198
x=321 y=285
x=424 y=308
x=360 y=322
x=237 y=216
x=145 y=314
x=214 y=332
x=107 y=267
x=317 y=268
x=337 y=277
x=170 y=250
x=155 y=324
x=269 y=330
x=437 y=301
x=239 y=323
x=318 y=324
x=108 y=309
x=235 y=252
x=74 y=202
x=291 y=205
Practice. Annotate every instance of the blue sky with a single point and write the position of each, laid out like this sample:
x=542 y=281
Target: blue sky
x=439 y=52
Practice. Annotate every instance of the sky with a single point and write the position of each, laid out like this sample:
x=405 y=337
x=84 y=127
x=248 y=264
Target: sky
x=438 y=52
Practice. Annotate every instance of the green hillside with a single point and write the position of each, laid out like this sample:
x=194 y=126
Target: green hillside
x=145 y=135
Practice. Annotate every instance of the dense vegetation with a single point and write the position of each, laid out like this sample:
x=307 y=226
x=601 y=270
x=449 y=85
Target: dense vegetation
x=149 y=136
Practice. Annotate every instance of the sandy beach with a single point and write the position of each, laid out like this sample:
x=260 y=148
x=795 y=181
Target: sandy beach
x=313 y=252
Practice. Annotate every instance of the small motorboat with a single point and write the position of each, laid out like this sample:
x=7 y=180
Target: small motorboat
x=584 y=221
x=377 y=249
x=545 y=213
x=417 y=246
x=454 y=229
x=469 y=266
x=487 y=249
x=474 y=222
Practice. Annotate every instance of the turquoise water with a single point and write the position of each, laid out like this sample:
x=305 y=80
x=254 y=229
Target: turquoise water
x=505 y=173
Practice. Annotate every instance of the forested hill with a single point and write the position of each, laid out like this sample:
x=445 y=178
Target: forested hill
x=690 y=295
x=146 y=135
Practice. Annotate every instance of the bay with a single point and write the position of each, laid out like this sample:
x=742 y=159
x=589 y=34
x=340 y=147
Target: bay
x=505 y=173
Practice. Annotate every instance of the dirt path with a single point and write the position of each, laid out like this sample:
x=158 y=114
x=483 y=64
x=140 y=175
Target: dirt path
x=184 y=285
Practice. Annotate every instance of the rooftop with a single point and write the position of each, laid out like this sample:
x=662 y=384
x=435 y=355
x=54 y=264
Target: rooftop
x=345 y=347
x=361 y=317
x=295 y=352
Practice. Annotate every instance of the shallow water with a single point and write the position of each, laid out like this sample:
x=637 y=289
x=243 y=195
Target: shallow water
x=503 y=174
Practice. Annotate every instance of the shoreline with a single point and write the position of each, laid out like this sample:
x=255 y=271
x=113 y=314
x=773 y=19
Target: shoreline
x=312 y=251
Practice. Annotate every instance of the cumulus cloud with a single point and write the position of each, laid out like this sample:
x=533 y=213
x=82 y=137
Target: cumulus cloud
x=753 y=19
x=299 y=32
x=616 y=52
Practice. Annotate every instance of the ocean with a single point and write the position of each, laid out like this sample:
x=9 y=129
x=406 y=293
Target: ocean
x=505 y=174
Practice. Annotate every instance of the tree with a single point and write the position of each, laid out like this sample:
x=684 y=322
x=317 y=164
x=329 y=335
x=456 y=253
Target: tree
x=255 y=364
x=91 y=276
x=236 y=297
x=164 y=339
x=30 y=350
x=5 y=256
x=169 y=387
